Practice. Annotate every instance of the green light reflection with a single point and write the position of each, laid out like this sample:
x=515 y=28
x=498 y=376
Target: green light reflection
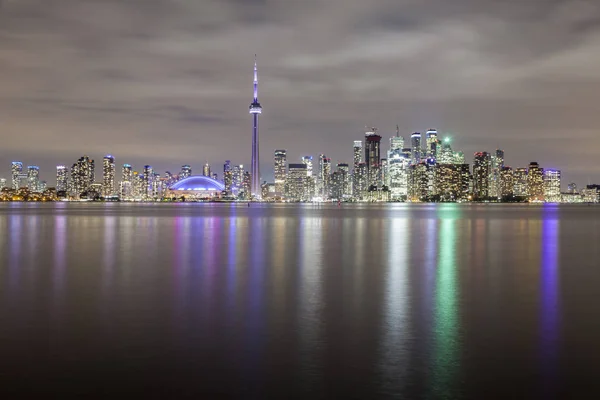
x=446 y=343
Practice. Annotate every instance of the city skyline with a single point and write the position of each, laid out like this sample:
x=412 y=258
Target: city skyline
x=79 y=81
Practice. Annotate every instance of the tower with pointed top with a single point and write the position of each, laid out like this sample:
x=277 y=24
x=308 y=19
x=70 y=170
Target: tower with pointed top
x=255 y=110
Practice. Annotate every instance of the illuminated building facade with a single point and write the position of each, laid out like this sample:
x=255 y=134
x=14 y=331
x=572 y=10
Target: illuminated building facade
x=432 y=144
x=535 y=182
x=552 y=179
x=452 y=181
x=33 y=178
x=196 y=188
x=148 y=182
x=62 y=178
x=82 y=176
x=16 y=171
x=228 y=176
x=481 y=175
x=361 y=182
x=398 y=164
x=507 y=182
x=373 y=157
x=280 y=161
x=186 y=172
x=497 y=163
x=419 y=181
x=205 y=170
x=520 y=188
x=296 y=182
x=415 y=142
x=108 y=176
x=324 y=183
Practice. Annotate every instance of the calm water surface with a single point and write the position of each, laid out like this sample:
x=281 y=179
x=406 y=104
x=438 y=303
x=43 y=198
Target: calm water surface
x=293 y=301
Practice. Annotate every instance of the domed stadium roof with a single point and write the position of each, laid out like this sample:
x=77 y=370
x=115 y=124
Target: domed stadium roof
x=198 y=182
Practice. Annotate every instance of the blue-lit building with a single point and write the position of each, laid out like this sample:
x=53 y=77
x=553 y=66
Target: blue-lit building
x=196 y=187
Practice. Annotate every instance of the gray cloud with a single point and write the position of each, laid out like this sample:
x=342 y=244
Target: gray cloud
x=168 y=82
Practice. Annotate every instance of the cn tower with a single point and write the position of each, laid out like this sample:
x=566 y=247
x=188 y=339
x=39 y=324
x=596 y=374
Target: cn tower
x=255 y=110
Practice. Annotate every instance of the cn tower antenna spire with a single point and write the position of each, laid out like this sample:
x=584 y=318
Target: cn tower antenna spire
x=255 y=81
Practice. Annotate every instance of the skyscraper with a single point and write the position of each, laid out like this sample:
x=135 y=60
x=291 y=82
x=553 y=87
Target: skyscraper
x=33 y=177
x=61 y=178
x=507 y=182
x=255 y=110
x=396 y=142
x=415 y=142
x=357 y=153
x=497 y=163
x=535 y=182
x=16 y=170
x=126 y=182
x=432 y=143
x=148 y=182
x=206 y=170
x=108 y=176
x=373 y=157
x=228 y=176
x=186 y=172
x=296 y=182
x=520 y=187
x=481 y=175
x=82 y=176
x=280 y=161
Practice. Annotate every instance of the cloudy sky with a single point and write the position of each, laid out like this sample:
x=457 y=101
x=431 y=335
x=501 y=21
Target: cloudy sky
x=167 y=82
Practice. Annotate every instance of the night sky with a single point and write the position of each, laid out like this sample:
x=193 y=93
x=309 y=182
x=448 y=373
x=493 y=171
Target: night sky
x=168 y=82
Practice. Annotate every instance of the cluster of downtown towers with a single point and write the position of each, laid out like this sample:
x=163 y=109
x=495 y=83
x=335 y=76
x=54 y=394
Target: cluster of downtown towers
x=427 y=170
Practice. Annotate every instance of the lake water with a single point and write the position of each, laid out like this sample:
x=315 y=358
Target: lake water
x=299 y=301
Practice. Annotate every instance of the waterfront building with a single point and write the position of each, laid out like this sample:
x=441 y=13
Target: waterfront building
x=186 y=172
x=373 y=157
x=415 y=141
x=297 y=182
x=360 y=185
x=62 y=178
x=33 y=178
x=148 y=182
x=228 y=177
x=16 y=171
x=521 y=188
x=432 y=144
x=205 y=170
x=552 y=186
x=196 y=188
x=419 y=181
x=497 y=163
x=481 y=175
x=507 y=182
x=535 y=182
x=108 y=176
x=452 y=181
x=82 y=176
x=280 y=161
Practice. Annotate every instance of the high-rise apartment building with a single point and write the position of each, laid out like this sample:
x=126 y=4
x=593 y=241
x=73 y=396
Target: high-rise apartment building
x=33 y=178
x=357 y=153
x=521 y=187
x=497 y=163
x=481 y=175
x=280 y=161
x=415 y=142
x=62 y=178
x=361 y=182
x=452 y=181
x=296 y=182
x=148 y=182
x=398 y=163
x=507 y=182
x=108 y=176
x=535 y=182
x=206 y=170
x=82 y=176
x=373 y=157
x=432 y=144
x=552 y=186
x=324 y=177
x=186 y=172
x=16 y=171
x=228 y=176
